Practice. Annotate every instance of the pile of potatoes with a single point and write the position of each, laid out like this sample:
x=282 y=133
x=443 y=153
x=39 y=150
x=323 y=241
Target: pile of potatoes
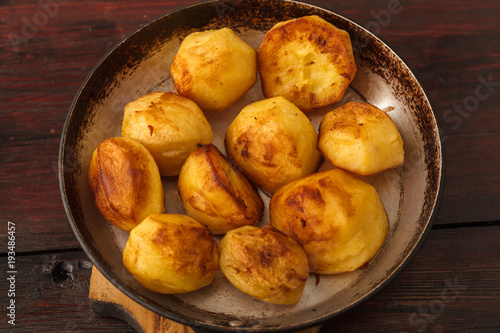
x=324 y=222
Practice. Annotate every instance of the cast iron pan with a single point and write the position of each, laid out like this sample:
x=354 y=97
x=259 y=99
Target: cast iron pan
x=140 y=64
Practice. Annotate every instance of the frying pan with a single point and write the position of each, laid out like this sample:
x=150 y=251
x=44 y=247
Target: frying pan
x=140 y=64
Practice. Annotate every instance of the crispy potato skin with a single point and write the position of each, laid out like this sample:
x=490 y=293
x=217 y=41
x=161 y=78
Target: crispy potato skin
x=360 y=138
x=265 y=264
x=171 y=253
x=308 y=61
x=273 y=142
x=125 y=182
x=337 y=218
x=217 y=194
x=169 y=126
x=214 y=68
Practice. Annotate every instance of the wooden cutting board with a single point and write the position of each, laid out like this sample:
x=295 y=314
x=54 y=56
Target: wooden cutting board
x=108 y=301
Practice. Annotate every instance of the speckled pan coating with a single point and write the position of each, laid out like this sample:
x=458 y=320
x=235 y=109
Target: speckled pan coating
x=140 y=63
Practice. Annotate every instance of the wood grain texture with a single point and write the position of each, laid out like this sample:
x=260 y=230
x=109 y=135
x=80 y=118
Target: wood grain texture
x=449 y=51
x=446 y=277
x=451 y=285
x=47 y=49
x=471 y=189
x=108 y=300
x=51 y=295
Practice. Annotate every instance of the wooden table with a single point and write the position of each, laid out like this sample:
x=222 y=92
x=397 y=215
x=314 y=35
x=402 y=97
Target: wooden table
x=453 y=47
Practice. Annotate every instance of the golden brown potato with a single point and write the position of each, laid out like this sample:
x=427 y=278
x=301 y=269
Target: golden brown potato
x=308 y=61
x=171 y=253
x=216 y=194
x=169 y=126
x=273 y=142
x=265 y=264
x=338 y=219
x=125 y=182
x=214 y=68
x=360 y=138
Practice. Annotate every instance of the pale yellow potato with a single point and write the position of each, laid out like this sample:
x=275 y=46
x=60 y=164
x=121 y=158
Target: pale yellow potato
x=360 y=138
x=273 y=142
x=336 y=217
x=171 y=253
x=217 y=194
x=265 y=264
x=308 y=61
x=125 y=182
x=170 y=126
x=214 y=68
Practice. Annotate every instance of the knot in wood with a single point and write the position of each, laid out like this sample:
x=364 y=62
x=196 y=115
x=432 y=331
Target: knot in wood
x=61 y=272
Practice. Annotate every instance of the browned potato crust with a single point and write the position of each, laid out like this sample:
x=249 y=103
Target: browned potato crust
x=169 y=126
x=125 y=182
x=273 y=142
x=171 y=253
x=264 y=264
x=338 y=219
x=360 y=138
x=214 y=68
x=216 y=194
x=308 y=61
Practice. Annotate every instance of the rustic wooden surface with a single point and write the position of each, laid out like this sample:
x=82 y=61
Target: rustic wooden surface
x=107 y=300
x=452 y=285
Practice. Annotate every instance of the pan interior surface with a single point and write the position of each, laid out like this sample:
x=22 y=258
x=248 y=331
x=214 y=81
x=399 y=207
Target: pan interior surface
x=140 y=64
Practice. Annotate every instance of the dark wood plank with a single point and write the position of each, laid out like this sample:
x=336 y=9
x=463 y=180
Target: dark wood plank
x=51 y=295
x=471 y=189
x=40 y=71
x=452 y=47
x=449 y=45
x=451 y=285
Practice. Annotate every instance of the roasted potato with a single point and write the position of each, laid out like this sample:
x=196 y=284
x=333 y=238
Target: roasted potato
x=360 y=138
x=336 y=217
x=214 y=68
x=169 y=126
x=125 y=182
x=273 y=142
x=308 y=61
x=171 y=253
x=265 y=264
x=216 y=194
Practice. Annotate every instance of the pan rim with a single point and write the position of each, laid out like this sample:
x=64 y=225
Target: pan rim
x=193 y=323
